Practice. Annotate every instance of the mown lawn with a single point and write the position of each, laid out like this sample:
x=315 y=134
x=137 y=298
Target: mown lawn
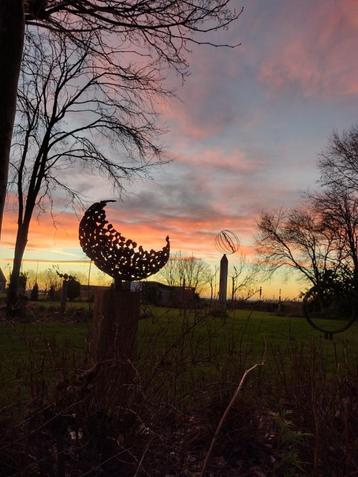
x=193 y=345
x=246 y=329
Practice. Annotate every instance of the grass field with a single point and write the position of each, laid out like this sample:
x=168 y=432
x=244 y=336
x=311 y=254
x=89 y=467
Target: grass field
x=296 y=415
x=204 y=344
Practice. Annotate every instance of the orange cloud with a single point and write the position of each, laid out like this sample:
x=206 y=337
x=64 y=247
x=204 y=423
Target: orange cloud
x=44 y=232
x=189 y=234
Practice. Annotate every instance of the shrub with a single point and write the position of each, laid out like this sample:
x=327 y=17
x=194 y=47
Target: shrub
x=73 y=289
x=34 y=293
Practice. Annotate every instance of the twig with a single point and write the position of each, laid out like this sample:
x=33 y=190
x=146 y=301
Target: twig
x=227 y=410
x=143 y=456
x=98 y=467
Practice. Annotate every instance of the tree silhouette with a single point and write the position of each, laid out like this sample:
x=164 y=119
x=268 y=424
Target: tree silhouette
x=152 y=35
x=320 y=240
x=73 y=289
x=296 y=239
x=71 y=112
x=338 y=164
x=11 y=44
x=244 y=279
x=191 y=272
x=34 y=296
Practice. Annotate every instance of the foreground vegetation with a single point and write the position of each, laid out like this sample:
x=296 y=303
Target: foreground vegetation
x=295 y=415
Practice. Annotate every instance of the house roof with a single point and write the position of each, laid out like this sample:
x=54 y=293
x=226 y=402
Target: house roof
x=151 y=283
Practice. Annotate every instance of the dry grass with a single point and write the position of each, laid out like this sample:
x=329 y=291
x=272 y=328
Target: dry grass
x=297 y=415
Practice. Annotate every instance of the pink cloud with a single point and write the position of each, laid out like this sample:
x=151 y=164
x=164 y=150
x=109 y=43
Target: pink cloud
x=179 y=113
x=189 y=234
x=203 y=106
x=317 y=53
x=215 y=158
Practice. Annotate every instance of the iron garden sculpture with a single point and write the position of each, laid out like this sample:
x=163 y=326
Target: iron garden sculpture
x=114 y=254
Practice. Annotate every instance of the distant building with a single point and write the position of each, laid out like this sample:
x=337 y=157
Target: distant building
x=153 y=293
x=88 y=292
x=159 y=294
x=2 y=281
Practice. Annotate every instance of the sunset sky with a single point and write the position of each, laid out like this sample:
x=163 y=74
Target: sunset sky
x=243 y=136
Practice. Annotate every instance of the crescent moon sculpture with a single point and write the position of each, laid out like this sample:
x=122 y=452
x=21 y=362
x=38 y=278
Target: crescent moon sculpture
x=114 y=254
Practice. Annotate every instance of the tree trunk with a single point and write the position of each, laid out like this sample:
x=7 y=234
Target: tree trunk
x=12 y=27
x=13 y=292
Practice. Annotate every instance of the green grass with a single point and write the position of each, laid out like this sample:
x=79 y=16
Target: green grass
x=32 y=353
x=243 y=326
x=299 y=407
x=54 y=305
x=192 y=344
x=241 y=338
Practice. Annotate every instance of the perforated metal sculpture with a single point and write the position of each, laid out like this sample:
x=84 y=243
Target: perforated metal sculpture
x=114 y=254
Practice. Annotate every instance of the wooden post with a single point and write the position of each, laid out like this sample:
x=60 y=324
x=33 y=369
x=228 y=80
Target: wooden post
x=115 y=325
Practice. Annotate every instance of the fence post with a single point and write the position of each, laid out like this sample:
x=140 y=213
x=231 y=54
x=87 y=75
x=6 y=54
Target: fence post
x=113 y=347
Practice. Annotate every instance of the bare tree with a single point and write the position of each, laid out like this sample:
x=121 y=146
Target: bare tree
x=298 y=239
x=71 y=112
x=153 y=35
x=339 y=163
x=196 y=273
x=320 y=240
x=212 y=281
x=338 y=202
x=243 y=279
x=11 y=44
x=338 y=209
x=171 y=273
x=191 y=272
x=49 y=278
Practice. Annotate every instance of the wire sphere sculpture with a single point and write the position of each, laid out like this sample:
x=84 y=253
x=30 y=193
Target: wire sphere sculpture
x=114 y=254
x=227 y=241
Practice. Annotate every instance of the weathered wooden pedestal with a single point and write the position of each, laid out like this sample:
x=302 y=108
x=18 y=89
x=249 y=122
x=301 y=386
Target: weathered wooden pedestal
x=113 y=347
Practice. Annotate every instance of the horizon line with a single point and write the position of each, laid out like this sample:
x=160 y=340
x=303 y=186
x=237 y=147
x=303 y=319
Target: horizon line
x=45 y=260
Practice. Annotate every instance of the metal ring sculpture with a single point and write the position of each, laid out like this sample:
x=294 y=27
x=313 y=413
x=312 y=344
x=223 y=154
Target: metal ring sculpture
x=112 y=253
x=227 y=241
x=314 y=297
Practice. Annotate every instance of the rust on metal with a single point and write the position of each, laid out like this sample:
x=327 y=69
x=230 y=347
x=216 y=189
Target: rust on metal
x=114 y=254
